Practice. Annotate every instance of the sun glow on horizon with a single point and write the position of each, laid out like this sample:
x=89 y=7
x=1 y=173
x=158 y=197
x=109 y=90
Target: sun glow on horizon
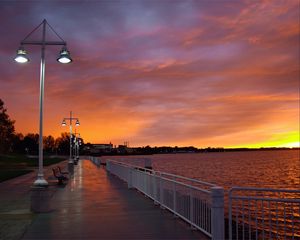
x=198 y=79
x=291 y=145
x=288 y=140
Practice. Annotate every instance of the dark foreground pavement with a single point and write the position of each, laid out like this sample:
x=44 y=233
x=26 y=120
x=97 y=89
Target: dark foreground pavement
x=96 y=205
x=15 y=214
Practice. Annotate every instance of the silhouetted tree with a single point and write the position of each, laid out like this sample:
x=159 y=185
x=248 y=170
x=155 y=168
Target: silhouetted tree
x=81 y=145
x=18 y=143
x=7 y=130
x=31 y=143
x=62 y=143
x=49 y=144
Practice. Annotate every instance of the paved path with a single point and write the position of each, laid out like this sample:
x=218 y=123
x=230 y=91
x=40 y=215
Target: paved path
x=96 y=205
x=15 y=215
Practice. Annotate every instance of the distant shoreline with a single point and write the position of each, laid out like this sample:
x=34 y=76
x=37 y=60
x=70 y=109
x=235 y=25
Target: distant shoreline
x=169 y=150
x=253 y=149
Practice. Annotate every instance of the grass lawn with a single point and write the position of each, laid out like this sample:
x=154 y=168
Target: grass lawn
x=21 y=161
x=14 y=165
x=8 y=174
x=34 y=162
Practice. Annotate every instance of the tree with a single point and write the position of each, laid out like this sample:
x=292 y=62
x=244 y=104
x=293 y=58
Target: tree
x=62 y=143
x=81 y=145
x=18 y=143
x=31 y=143
x=7 y=130
x=49 y=144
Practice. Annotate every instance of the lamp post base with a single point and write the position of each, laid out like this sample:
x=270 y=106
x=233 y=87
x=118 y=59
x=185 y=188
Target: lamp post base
x=40 y=199
x=40 y=182
x=71 y=161
x=71 y=167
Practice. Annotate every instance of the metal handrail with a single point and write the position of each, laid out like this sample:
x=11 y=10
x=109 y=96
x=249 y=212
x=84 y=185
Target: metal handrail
x=190 y=179
x=164 y=173
x=264 y=189
x=203 y=209
x=185 y=185
x=265 y=202
x=268 y=199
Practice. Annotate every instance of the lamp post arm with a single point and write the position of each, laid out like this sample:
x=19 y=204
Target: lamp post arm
x=42 y=23
x=43 y=43
x=71 y=118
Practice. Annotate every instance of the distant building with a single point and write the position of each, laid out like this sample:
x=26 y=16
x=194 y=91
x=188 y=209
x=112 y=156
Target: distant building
x=101 y=148
x=122 y=149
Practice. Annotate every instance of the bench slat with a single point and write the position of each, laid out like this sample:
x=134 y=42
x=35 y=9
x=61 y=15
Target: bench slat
x=57 y=174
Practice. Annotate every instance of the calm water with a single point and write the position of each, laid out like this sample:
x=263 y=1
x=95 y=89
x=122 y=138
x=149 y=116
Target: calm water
x=269 y=169
x=275 y=169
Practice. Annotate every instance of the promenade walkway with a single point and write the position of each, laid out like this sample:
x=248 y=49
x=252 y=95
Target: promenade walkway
x=96 y=205
x=15 y=214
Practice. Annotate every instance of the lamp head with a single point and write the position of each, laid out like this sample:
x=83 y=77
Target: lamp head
x=64 y=123
x=64 y=56
x=77 y=123
x=21 y=55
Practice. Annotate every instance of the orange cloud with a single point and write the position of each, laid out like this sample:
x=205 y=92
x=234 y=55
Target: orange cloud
x=193 y=73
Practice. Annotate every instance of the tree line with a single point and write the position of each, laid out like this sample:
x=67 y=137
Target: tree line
x=12 y=142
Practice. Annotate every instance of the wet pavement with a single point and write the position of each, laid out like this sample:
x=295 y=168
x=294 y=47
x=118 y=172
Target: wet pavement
x=97 y=205
x=15 y=214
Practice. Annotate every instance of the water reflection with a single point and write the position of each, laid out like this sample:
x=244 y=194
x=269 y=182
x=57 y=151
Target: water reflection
x=274 y=169
x=261 y=169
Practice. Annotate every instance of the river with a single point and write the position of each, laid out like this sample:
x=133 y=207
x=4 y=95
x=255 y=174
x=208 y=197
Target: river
x=270 y=169
x=279 y=169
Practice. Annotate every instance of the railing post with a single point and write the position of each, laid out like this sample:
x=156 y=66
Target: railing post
x=108 y=165
x=145 y=183
x=129 y=178
x=217 y=213
x=155 y=188
x=192 y=209
x=174 y=196
x=161 y=194
x=148 y=163
x=230 y=213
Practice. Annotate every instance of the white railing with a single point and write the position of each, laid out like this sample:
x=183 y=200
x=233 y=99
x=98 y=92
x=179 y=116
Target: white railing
x=202 y=208
x=96 y=160
x=262 y=213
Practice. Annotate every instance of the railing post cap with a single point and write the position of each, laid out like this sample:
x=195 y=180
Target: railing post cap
x=217 y=187
x=217 y=190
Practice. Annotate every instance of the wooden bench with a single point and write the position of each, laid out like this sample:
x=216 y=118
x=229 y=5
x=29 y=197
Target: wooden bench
x=61 y=172
x=58 y=175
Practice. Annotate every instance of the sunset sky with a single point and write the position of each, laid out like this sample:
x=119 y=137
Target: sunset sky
x=160 y=73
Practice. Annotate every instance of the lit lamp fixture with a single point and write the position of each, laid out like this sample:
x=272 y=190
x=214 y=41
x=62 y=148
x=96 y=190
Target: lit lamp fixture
x=64 y=123
x=71 y=161
x=21 y=55
x=22 y=58
x=77 y=144
x=64 y=56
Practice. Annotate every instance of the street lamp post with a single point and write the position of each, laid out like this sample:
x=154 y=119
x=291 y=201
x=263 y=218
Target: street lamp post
x=71 y=161
x=77 y=142
x=78 y=145
x=21 y=57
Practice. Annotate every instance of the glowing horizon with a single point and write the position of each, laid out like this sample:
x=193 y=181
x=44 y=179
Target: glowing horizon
x=182 y=73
